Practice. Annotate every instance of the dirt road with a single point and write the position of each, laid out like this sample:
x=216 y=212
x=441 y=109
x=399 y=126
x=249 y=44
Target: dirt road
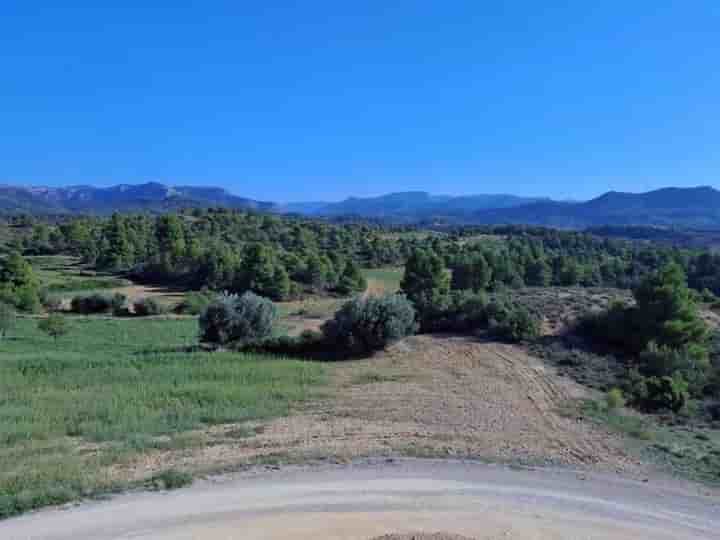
x=369 y=500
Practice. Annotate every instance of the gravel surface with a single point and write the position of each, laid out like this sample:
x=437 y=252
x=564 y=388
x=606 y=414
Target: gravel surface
x=368 y=500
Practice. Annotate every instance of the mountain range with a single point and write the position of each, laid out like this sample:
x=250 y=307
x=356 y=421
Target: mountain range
x=697 y=207
x=148 y=197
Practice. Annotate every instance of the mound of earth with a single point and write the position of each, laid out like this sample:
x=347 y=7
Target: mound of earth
x=423 y=536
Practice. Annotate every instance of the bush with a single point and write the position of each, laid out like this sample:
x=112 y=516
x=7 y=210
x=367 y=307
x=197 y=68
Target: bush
x=614 y=399
x=27 y=299
x=512 y=322
x=54 y=326
x=144 y=307
x=237 y=320
x=465 y=311
x=366 y=324
x=653 y=394
x=119 y=305
x=194 y=303
x=92 y=303
x=8 y=318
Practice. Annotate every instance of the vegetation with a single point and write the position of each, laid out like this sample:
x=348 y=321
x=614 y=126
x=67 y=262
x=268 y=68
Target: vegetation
x=54 y=325
x=8 y=319
x=121 y=387
x=91 y=304
x=19 y=285
x=133 y=385
x=367 y=324
x=237 y=320
x=144 y=307
x=664 y=335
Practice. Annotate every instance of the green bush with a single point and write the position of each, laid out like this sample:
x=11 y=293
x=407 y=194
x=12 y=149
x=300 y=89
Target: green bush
x=614 y=399
x=27 y=299
x=195 y=303
x=8 y=318
x=654 y=394
x=119 y=305
x=464 y=311
x=237 y=320
x=512 y=322
x=91 y=304
x=54 y=325
x=367 y=324
x=144 y=307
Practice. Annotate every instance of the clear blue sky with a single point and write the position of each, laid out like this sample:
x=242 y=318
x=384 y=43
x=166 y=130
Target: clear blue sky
x=312 y=100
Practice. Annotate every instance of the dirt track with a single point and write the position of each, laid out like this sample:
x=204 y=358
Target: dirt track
x=362 y=502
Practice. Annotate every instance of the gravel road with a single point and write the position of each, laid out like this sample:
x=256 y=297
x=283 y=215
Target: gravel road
x=367 y=500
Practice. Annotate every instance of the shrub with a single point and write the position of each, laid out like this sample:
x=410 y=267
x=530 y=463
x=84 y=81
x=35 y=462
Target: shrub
x=194 y=303
x=27 y=299
x=54 y=326
x=614 y=399
x=8 y=318
x=366 y=324
x=92 y=303
x=237 y=320
x=465 y=311
x=654 y=394
x=119 y=305
x=512 y=322
x=144 y=307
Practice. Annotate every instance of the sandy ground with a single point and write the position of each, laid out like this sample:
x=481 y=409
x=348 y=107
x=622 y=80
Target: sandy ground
x=427 y=396
x=366 y=501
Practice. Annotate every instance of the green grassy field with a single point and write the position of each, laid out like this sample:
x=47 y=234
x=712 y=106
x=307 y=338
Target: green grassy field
x=383 y=280
x=62 y=274
x=113 y=389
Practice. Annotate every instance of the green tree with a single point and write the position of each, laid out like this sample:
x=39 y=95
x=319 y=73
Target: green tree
x=472 y=272
x=170 y=239
x=667 y=312
x=351 y=279
x=426 y=283
x=538 y=273
x=18 y=284
x=262 y=273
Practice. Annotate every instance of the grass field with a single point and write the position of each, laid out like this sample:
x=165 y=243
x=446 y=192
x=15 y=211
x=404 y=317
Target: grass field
x=64 y=275
x=113 y=389
x=383 y=280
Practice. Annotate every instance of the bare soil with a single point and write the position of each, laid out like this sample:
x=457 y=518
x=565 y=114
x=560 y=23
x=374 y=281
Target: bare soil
x=429 y=395
x=422 y=536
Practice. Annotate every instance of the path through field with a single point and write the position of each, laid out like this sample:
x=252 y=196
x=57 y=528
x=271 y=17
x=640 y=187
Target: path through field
x=366 y=501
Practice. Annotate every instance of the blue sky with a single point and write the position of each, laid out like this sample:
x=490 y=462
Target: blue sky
x=293 y=101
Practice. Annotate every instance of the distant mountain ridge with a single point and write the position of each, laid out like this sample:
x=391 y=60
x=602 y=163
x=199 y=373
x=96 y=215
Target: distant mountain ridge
x=695 y=207
x=411 y=206
x=680 y=207
x=148 y=197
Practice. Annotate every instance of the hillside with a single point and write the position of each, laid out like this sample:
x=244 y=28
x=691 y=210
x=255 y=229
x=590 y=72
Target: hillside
x=685 y=207
x=149 y=197
x=413 y=206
